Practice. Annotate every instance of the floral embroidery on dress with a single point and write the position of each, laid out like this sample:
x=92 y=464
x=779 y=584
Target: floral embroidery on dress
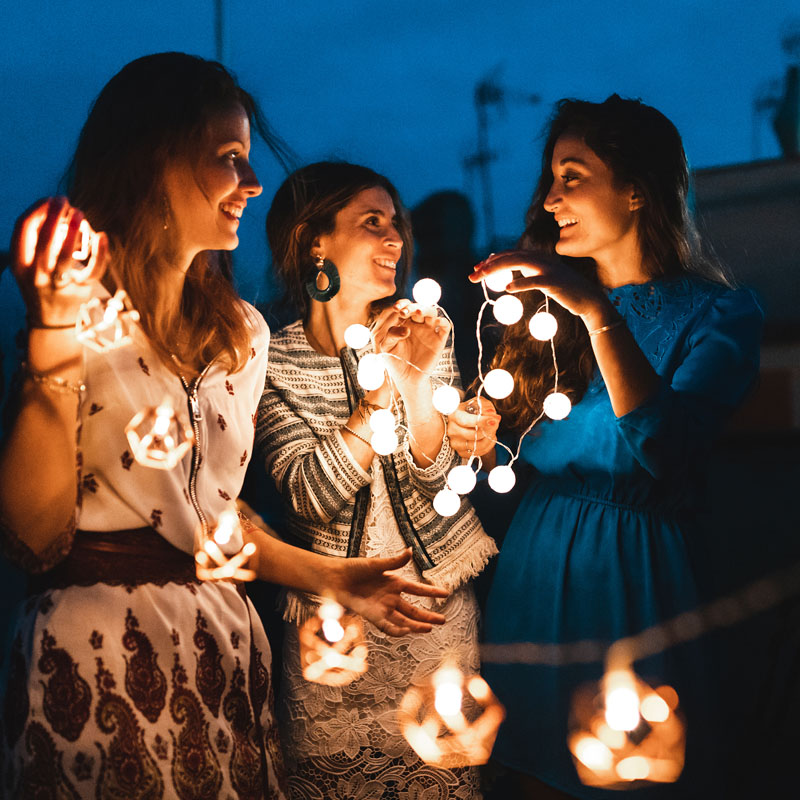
x=229 y=388
x=127 y=460
x=243 y=459
x=94 y=409
x=143 y=366
x=89 y=483
x=156 y=517
x=96 y=640
x=145 y=682
x=210 y=677
x=221 y=422
x=223 y=494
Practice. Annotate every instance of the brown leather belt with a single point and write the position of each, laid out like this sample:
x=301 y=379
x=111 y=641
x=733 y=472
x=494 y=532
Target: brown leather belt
x=120 y=558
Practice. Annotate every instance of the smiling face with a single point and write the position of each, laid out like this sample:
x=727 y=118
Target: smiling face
x=596 y=216
x=207 y=198
x=365 y=246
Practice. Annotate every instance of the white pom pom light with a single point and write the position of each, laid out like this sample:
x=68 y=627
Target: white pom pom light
x=382 y=420
x=498 y=383
x=461 y=479
x=427 y=292
x=498 y=281
x=356 y=336
x=557 y=405
x=446 y=399
x=371 y=372
x=543 y=326
x=384 y=442
x=507 y=309
x=502 y=479
x=446 y=503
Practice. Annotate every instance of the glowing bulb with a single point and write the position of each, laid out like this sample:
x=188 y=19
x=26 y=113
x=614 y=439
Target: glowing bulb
x=384 y=443
x=330 y=609
x=371 y=372
x=382 y=420
x=357 y=336
x=461 y=479
x=498 y=281
x=543 y=326
x=427 y=292
x=654 y=708
x=157 y=438
x=502 y=479
x=446 y=503
x=448 y=699
x=446 y=399
x=332 y=659
x=332 y=630
x=593 y=753
x=226 y=525
x=633 y=768
x=622 y=709
x=104 y=324
x=498 y=383
x=557 y=405
x=507 y=309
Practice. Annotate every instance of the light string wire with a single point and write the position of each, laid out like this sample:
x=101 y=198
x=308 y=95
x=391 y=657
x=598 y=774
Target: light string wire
x=724 y=612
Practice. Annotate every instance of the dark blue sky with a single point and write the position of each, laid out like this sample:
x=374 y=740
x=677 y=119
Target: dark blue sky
x=390 y=84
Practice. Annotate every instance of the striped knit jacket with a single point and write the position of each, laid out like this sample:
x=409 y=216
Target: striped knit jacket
x=306 y=400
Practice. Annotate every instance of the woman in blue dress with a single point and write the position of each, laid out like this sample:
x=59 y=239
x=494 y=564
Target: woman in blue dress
x=654 y=349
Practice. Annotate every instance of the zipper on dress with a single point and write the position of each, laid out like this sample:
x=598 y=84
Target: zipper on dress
x=195 y=415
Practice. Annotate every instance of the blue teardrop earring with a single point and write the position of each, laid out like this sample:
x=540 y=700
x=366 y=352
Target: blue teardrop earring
x=328 y=269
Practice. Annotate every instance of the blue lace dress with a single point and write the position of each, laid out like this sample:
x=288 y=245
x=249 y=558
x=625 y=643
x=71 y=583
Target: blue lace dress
x=601 y=544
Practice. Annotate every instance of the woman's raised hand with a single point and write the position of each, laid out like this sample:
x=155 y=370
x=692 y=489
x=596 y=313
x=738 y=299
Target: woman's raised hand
x=414 y=338
x=542 y=272
x=472 y=433
x=369 y=587
x=55 y=258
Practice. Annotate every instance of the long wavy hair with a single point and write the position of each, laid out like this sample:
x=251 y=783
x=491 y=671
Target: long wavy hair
x=151 y=114
x=305 y=207
x=642 y=148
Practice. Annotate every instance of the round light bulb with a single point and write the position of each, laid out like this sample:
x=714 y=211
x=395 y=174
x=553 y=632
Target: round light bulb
x=427 y=292
x=384 y=443
x=502 y=479
x=654 y=708
x=226 y=524
x=461 y=479
x=382 y=420
x=622 y=709
x=507 y=309
x=593 y=753
x=447 y=700
x=543 y=326
x=498 y=281
x=446 y=503
x=446 y=399
x=357 y=336
x=371 y=372
x=633 y=768
x=498 y=383
x=557 y=405
x=330 y=609
x=332 y=630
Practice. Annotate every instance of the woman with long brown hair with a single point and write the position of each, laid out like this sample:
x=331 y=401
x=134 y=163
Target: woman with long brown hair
x=654 y=349
x=341 y=242
x=128 y=676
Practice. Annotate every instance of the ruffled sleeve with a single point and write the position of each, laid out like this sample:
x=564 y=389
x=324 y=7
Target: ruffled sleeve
x=719 y=367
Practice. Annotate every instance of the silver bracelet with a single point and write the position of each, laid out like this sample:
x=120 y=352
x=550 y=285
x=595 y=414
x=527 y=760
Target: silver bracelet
x=607 y=327
x=357 y=435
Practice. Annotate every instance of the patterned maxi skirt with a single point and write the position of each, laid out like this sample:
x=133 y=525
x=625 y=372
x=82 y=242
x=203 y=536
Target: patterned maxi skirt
x=142 y=691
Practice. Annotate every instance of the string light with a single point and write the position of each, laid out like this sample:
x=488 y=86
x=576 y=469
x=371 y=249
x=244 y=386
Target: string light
x=451 y=720
x=502 y=479
x=382 y=420
x=427 y=292
x=446 y=502
x=332 y=647
x=557 y=405
x=384 y=443
x=211 y=564
x=157 y=438
x=446 y=399
x=371 y=371
x=357 y=336
x=498 y=383
x=498 y=281
x=461 y=479
x=507 y=309
x=106 y=323
x=543 y=326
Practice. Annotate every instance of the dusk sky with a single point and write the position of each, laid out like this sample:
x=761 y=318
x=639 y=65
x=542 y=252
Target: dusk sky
x=391 y=84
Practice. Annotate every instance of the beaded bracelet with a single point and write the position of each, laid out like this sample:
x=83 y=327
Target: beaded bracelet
x=53 y=382
x=357 y=435
x=607 y=327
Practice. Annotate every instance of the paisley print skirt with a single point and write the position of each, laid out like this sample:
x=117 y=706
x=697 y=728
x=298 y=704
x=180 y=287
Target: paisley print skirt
x=141 y=691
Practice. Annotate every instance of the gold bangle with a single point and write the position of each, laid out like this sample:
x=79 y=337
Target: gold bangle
x=357 y=435
x=53 y=382
x=607 y=327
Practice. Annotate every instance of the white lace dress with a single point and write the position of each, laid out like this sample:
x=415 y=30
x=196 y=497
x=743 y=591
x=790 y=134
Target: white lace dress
x=344 y=743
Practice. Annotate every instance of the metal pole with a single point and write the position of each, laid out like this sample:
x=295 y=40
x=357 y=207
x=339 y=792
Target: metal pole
x=219 y=30
x=484 y=157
